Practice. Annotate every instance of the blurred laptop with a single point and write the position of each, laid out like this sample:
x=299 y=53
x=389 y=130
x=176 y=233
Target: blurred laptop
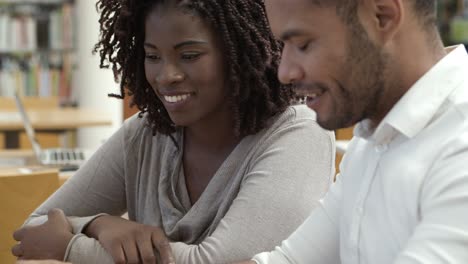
x=62 y=158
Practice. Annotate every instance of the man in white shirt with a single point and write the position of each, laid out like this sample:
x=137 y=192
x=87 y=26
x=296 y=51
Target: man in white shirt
x=402 y=195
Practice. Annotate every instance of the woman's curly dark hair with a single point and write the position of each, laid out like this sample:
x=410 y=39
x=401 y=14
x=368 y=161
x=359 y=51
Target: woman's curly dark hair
x=251 y=53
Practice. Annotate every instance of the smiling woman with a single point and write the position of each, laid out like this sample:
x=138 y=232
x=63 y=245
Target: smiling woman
x=218 y=164
x=230 y=50
x=186 y=67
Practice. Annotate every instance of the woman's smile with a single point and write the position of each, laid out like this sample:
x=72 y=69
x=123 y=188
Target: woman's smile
x=177 y=102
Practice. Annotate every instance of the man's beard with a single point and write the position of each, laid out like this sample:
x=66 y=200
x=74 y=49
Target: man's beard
x=362 y=93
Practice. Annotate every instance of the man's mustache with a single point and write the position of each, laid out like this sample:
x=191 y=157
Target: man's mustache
x=304 y=88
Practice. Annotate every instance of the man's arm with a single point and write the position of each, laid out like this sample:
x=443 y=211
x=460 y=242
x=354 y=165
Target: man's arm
x=441 y=236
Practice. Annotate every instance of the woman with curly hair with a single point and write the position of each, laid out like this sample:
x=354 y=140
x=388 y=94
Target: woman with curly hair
x=218 y=164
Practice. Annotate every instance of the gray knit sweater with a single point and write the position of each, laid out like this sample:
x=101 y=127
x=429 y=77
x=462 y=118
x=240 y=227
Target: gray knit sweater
x=261 y=193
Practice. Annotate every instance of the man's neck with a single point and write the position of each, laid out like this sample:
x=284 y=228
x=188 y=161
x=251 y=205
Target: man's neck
x=412 y=57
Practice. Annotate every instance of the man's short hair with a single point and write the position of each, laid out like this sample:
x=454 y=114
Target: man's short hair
x=347 y=9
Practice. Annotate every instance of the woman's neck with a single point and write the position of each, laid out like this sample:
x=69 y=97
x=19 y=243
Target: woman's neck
x=214 y=134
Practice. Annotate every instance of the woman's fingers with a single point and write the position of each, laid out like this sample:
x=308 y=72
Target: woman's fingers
x=18 y=234
x=161 y=243
x=117 y=253
x=16 y=250
x=57 y=217
x=146 y=250
x=131 y=252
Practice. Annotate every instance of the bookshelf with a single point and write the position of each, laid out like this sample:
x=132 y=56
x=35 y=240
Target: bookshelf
x=42 y=2
x=37 y=59
x=37 y=48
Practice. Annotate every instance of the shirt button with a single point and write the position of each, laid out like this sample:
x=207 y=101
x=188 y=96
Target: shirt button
x=359 y=210
x=354 y=243
x=381 y=148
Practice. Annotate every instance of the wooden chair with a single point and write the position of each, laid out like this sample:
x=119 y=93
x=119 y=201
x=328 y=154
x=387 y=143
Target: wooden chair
x=21 y=191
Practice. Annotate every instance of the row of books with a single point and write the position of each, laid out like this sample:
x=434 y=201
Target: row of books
x=36 y=78
x=42 y=2
x=27 y=28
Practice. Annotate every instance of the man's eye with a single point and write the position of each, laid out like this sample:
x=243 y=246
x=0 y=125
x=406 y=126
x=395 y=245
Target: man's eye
x=304 y=46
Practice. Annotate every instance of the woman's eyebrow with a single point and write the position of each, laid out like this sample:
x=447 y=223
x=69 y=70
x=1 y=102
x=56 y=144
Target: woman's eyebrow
x=188 y=43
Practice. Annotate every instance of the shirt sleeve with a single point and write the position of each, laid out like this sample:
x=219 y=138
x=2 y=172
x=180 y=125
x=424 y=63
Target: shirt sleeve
x=316 y=240
x=442 y=233
x=280 y=190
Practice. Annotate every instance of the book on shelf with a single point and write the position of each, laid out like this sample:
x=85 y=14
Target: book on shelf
x=36 y=48
x=35 y=28
x=33 y=78
x=42 y=2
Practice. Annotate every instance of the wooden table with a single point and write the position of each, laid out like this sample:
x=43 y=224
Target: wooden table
x=20 y=160
x=51 y=120
x=55 y=119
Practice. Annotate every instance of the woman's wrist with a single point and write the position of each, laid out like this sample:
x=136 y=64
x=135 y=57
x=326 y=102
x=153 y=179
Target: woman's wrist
x=92 y=228
x=64 y=245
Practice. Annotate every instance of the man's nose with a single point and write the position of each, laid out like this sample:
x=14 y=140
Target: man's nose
x=289 y=70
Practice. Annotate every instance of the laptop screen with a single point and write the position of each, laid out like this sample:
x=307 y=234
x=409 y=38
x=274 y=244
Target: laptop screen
x=28 y=126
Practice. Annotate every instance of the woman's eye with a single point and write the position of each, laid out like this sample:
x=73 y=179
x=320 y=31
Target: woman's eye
x=190 y=56
x=152 y=57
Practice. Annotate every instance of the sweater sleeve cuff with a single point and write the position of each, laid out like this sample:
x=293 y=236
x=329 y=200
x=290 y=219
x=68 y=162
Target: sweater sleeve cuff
x=79 y=223
x=69 y=247
x=85 y=250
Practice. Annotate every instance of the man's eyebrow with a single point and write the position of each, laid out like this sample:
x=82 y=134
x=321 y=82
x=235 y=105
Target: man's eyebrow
x=149 y=45
x=291 y=34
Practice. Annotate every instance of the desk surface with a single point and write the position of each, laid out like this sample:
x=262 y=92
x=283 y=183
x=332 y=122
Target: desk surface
x=55 y=119
x=17 y=171
x=25 y=164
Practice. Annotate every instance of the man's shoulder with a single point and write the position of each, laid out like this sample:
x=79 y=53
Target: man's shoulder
x=458 y=100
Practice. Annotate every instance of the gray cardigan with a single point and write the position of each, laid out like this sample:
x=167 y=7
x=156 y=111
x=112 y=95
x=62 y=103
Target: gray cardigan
x=266 y=187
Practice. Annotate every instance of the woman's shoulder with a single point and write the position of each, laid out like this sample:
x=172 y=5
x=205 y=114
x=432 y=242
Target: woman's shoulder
x=138 y=127
x=300 y=111
x=136 y=124
x=294 y=115
x=296 y=121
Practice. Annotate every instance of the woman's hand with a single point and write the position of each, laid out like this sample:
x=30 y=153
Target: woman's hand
x=130 y=242
x=46 y=241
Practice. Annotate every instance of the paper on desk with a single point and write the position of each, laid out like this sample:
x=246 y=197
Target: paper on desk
x=13 y=162
x=10 y=117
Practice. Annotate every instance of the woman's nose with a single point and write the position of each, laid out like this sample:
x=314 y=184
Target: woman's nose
x=170 y=74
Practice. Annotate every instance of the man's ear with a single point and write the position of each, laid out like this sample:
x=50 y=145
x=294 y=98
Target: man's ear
x=382 y=19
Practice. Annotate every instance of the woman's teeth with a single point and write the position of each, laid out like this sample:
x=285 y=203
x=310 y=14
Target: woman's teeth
x=176 y=98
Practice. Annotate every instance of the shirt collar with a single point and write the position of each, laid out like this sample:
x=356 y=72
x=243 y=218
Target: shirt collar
x=421 y=102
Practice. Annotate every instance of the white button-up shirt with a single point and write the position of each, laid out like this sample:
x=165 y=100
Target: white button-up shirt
x=402 y=195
